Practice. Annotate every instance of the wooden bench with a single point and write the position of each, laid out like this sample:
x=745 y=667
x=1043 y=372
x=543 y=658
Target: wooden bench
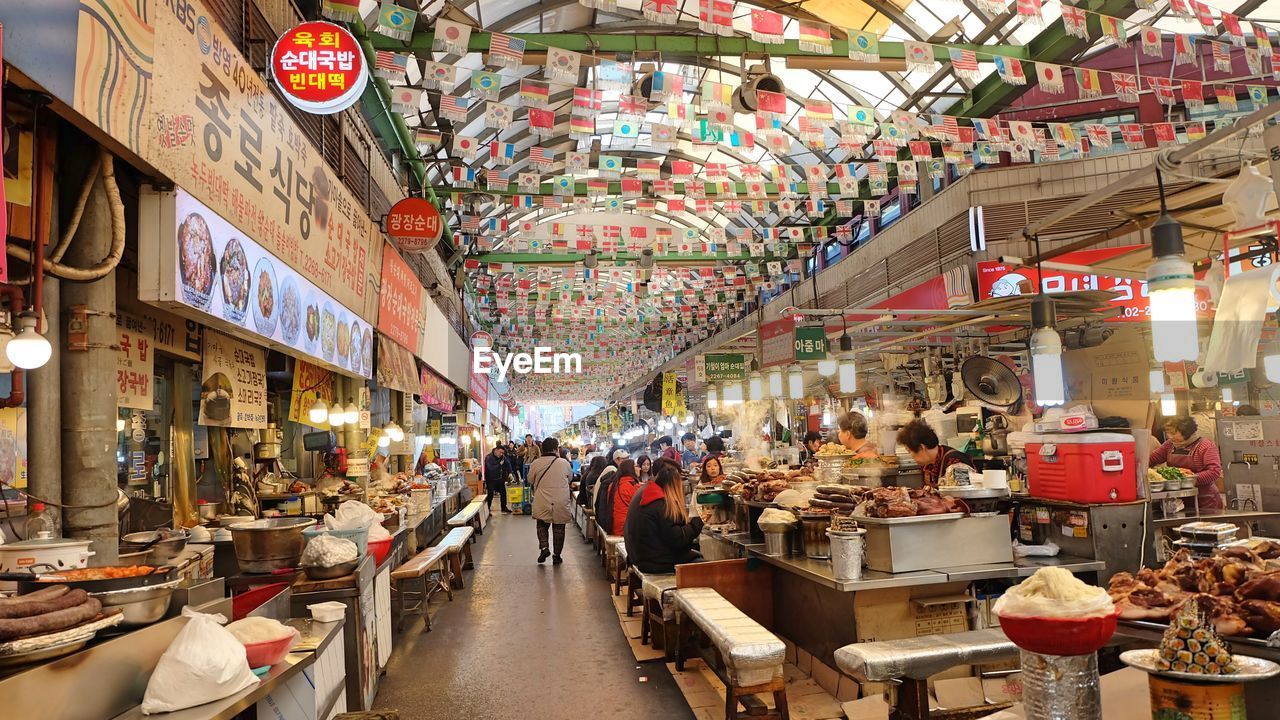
x=430 y=568
x=609 y=556
x=469 y=515
x=912 y=661
x=749 y=658
x=651 y=592
x=589 y=526
x=456 y=542
x=620 y=567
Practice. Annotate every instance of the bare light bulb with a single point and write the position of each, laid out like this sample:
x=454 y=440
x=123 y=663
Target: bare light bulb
x=28 y=349
x=318 y=414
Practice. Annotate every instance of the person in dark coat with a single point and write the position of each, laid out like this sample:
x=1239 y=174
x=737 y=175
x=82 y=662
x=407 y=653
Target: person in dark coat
x=495 y=477
x=658 y=531
x=588 y=481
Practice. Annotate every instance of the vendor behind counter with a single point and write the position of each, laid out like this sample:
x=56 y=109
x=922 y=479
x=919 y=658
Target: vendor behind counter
x=933 y=457
x=1196 y=456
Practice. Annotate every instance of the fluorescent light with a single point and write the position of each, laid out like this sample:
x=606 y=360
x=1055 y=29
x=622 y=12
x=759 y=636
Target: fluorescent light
x=1168 y=405
x=775 y=383
x=795 y=382
x=1046 y=353
x=1227 y=395
x=828 y=366
x=848 y=374
x=1157 y=381
x=1171 y=288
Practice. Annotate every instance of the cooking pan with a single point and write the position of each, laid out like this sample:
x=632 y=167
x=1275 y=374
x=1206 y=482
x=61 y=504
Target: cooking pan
x=30 y=582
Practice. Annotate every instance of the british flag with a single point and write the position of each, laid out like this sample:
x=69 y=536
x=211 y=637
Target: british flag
x=541 y=156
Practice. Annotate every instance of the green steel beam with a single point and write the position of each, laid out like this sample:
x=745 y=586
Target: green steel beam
x=673 y=45
x=1051 y=45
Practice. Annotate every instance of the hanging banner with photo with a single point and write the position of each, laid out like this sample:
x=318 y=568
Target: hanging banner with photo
x=233 y=383
x=309 y=383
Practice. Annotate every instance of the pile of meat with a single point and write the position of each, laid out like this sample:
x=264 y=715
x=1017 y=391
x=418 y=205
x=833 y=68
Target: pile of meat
x=897 y=502
x=45 y=611
x=1238 y=588
x=761 y=490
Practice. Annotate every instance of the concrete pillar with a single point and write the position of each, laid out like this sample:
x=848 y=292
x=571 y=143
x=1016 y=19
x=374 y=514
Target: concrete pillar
x=44 y=410
x=89 y=391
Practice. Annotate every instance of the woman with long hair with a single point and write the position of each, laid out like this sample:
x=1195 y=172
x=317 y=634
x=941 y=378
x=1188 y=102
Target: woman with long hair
x=712 y=473
x=644 y=469
x=624 y=488
x=659 y=532
x=589 y=477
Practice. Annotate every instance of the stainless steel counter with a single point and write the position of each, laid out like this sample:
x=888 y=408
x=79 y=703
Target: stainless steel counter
x=819 y=571
x=1219 y=516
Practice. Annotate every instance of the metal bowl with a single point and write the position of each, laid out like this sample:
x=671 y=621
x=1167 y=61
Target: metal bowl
x=270 y=544
x=317 y=572
x=131 y=554
x=140 y=606
x=163 y=551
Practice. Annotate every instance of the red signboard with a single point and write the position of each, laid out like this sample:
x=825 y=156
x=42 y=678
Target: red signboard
x=999 y=280
x=480 y=389
x=436 y=393
x=319 y=67
x=415 y=224
x=777 y=342
x=400 y=302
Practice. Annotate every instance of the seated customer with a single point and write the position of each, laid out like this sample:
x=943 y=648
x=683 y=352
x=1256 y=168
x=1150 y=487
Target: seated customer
x=659 y=532
x=624 y=489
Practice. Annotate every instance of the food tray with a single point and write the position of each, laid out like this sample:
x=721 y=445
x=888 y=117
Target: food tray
x=870 y=471
x=910 y=520
x=1205 y=529
x=80 y=633
x=1250 y=668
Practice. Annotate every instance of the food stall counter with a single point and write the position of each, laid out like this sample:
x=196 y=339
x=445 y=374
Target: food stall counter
x=316 y=638
x=1218 y=515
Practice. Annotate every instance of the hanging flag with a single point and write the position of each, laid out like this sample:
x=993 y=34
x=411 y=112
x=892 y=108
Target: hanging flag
x=1258 y=95
x=662 y=135
x=1113 y=30
x=438 y=76
x=1075 y=21
x=1088 y=83
x=485 y=85
x=1098 y=134
x=766 y=26
x=624 y=128
x=498 y=116
x=577 y=162
x=1181 y=8
x=663 y=12
x=1195 y=131
x=864 y=46
x=1152 y=46
x=1253 y=59
x=528 y=182
x=771 y=102
x=648 y=169
x=464 y=176
x=871 y=207
x=535 y=94
x=1063 y=133
x=1193 y=94
x=563 y=66
x=341 y=10
x=502 y=153
x=1221 y=56
x=390 y=66
x=859 y=115
x=506 y=51
x=815 y=37
x=715 y=95
x=450 y=37
x=1226 y=95
x=1231 y=23
x=542 y=123
x=407 y=100
x=1133 y=136
x=819 y=112
x=587 y=102
x=610 y=166
x=1126 y=87
x=964 y=63
x=541 y=156
x=1010 y=70
x=562 y=185
x=1049 y=78
x=1029 y=11
x=613 y=75
x=919 y=56
x=1184 y=50
x=580 y=126
x=1263 y=37
x=1022 y=131
x=715 y=16
x=1163 y=89
x=1165 y=134
x=423 y=137
x=395 y=21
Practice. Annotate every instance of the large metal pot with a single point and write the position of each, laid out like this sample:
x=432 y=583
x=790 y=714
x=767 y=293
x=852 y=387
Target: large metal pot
x=266 y=545
x=140 y=606
x=162 y=552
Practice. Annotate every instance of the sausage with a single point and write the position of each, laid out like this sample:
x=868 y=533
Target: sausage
x=41 y=606
x=50 y=622
x=45 y=593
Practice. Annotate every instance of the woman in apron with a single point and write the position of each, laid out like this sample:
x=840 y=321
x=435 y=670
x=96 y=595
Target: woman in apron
x=1195 y=456
x=933 y=457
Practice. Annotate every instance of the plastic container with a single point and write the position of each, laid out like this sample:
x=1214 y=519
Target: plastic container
x=44 y=555
x=272 y=652
x=847 y=551
x=359 y=536
x=332 y=611
x=1084 y=468
x=250 y=600
x=40 y=522
x=777 y=542
x=1060 y=636
x=379 y=549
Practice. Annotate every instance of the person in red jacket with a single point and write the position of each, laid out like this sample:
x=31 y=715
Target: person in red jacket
x=624 y=488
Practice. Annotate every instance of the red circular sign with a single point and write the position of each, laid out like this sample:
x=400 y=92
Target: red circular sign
x=320 y=67
x=415 y=224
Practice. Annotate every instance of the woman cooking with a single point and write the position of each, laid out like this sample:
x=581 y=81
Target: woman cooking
x=1195 y=456
x=933 y=458
x=853 y=435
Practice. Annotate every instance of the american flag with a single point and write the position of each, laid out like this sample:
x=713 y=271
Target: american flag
x=506 y=50
x=963 y=62
x=541 y=156
x=390 y=65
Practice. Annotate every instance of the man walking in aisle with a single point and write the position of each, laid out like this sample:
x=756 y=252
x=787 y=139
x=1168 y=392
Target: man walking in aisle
x=550 y=476
x=528 y=453
x=495 y=477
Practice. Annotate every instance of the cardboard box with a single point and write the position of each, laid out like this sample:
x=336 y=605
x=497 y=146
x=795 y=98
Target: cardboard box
x=900 y=613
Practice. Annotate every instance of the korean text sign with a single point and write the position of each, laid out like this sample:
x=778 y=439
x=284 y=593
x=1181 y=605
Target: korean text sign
x=400 y=300
x=319 y=67
x=233 y=384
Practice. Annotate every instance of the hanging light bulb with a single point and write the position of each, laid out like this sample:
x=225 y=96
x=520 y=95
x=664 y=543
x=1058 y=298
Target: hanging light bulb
x=384 y=440
x=351 y=415
x=120 y=424
x=827 y=417
x=318 y=414
x=428 y=440
x=1171 y=287
x=755 y=387
x=28 y=349
x=395 y=432
x=713 y=397
x=1168 y=405
x=795 y=383
x=1046 y=353
x=828 y=366
x=1228 y=396
x=775 y=383
x=848 y=365
x=1271 y=367
x=688 y=419
x=337 y=416
x=731 y=393
x=1157 y=381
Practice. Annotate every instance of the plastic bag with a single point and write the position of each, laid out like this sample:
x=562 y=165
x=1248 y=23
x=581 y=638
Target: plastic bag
x=1049 y=549
x=352 y=515
x=377 y=532
x=204 y=663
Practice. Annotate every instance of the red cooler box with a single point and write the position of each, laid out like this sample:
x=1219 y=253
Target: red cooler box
x=1084 y=467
